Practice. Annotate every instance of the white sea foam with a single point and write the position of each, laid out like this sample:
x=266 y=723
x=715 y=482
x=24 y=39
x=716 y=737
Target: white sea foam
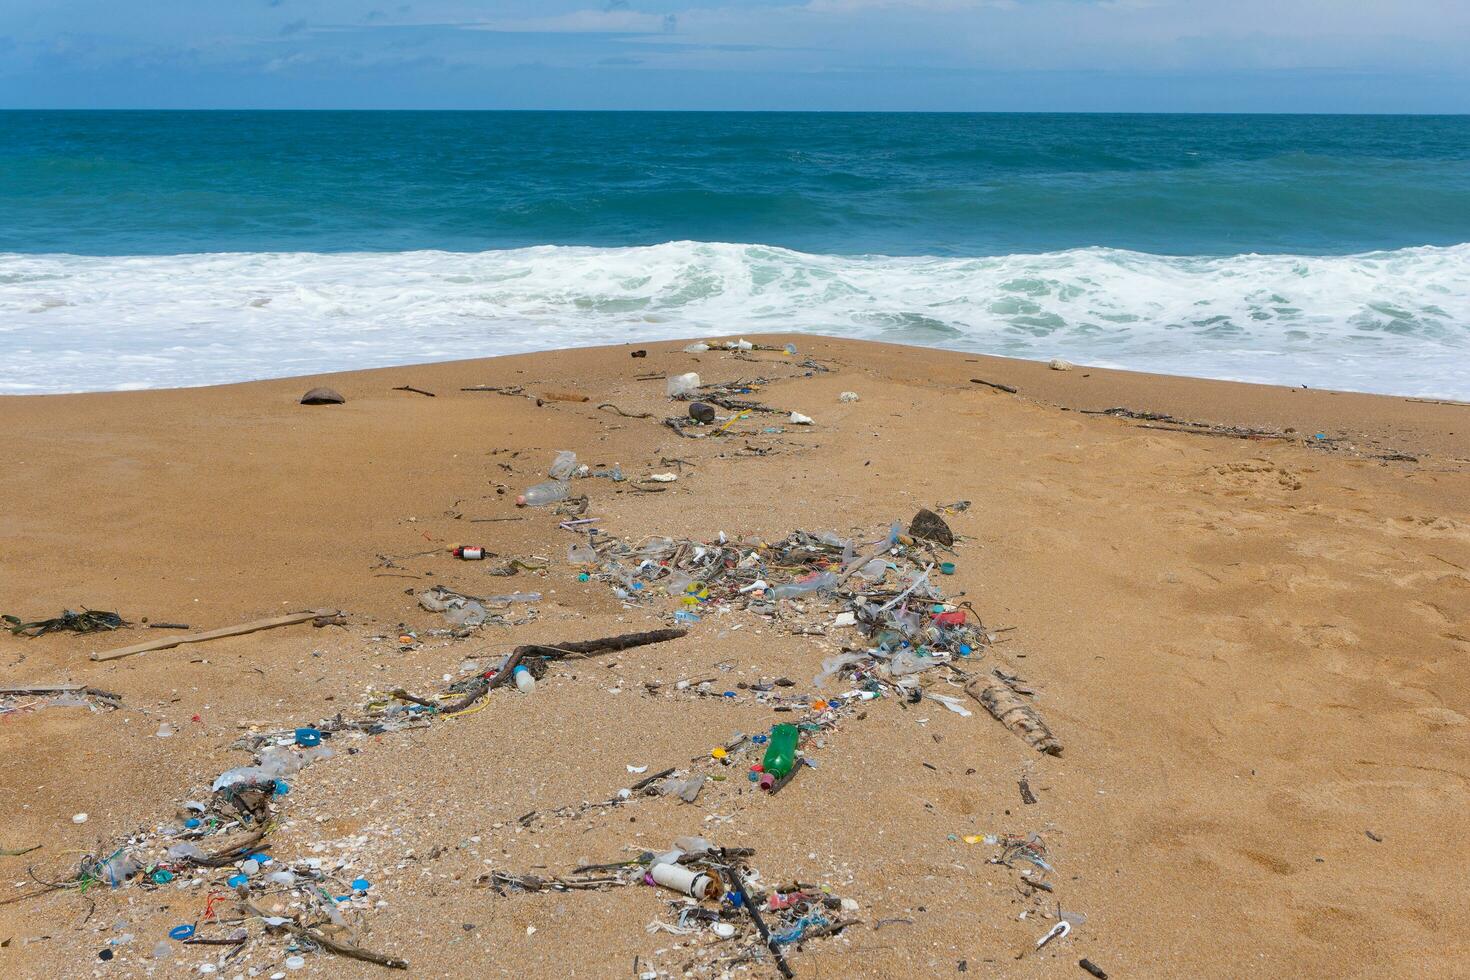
x=1394 y=322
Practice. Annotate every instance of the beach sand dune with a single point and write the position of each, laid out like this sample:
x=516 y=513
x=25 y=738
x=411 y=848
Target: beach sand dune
x=1253 y=649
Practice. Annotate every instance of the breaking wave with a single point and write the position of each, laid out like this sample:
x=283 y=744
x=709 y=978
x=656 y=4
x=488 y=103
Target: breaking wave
x=1393 y=321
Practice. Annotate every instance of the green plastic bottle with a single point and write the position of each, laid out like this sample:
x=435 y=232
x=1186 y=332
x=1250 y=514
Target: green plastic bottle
x=781 y=753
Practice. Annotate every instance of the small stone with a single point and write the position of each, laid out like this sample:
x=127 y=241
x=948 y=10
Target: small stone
x=1057 y=364
x=79 y=818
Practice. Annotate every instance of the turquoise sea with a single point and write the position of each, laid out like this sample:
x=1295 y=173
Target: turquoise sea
x=142 y=249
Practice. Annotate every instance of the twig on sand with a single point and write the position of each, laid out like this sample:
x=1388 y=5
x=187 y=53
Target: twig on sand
x=994 y=384
x=417 y=391
x=626 y=415
x=331 y=945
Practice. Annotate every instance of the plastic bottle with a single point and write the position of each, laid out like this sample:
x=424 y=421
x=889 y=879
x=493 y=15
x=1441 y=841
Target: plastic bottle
x=525 y=680
x=563 y=466
x=544 y=493
x=781 y=753
x=815 y=583
x=469 y=553
x=681 y=385
x=696 y=884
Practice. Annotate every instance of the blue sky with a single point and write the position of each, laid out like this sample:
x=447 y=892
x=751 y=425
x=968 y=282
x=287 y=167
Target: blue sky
x=1083 y=55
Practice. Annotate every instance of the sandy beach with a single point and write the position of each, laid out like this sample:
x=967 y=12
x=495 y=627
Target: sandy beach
x=1244 y=610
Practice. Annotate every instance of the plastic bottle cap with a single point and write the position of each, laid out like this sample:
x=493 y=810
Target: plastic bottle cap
x=281 y=788
x=192 y=822
x=521 y=668
x=235 y=881
x=361 y=884
x=520 y=500
x=718 y=753
x=308 y=737
x=181 y=932
x=583 y=576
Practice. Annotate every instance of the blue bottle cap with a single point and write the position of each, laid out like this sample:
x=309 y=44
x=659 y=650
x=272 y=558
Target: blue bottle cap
x=192 y=822
x=281 y=788
x=361 y=884
x=181 y=932
x=308 y=737
x=235 y=881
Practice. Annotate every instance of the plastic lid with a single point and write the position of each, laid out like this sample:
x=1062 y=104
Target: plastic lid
x=181 y=932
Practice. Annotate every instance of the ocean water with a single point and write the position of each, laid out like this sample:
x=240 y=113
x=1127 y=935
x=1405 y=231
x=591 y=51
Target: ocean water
x=159 y=249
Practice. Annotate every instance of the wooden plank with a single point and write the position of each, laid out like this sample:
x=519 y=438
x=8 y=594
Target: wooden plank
x=166 y=642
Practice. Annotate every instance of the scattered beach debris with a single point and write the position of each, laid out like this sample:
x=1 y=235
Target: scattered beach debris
x=721 y=896
x=322 y=396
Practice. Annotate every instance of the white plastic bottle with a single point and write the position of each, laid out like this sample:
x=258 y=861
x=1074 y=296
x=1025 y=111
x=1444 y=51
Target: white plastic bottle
x=525 y=680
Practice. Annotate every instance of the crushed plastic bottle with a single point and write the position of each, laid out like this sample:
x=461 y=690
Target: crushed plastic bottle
x=544 y=493
x=563 y=466
x=812 y=583
x=682 y=385
x=118 y=868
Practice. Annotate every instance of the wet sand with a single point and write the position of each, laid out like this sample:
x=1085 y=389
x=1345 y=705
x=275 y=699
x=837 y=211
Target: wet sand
x=1250 y=639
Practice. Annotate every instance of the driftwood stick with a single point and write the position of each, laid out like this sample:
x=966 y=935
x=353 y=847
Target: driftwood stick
x=403 y=695
x=605 y=644
x=251 y=627
x=416 y=391
x=230 y=854
x=626 y=415
x=1010 y=710
x=994 y=384
x=649 y=780
x=331 y=945
x=738 y=886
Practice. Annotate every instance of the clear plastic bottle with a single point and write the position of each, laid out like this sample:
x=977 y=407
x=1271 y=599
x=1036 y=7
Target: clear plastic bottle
x=544 y=493
x=814 y=583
